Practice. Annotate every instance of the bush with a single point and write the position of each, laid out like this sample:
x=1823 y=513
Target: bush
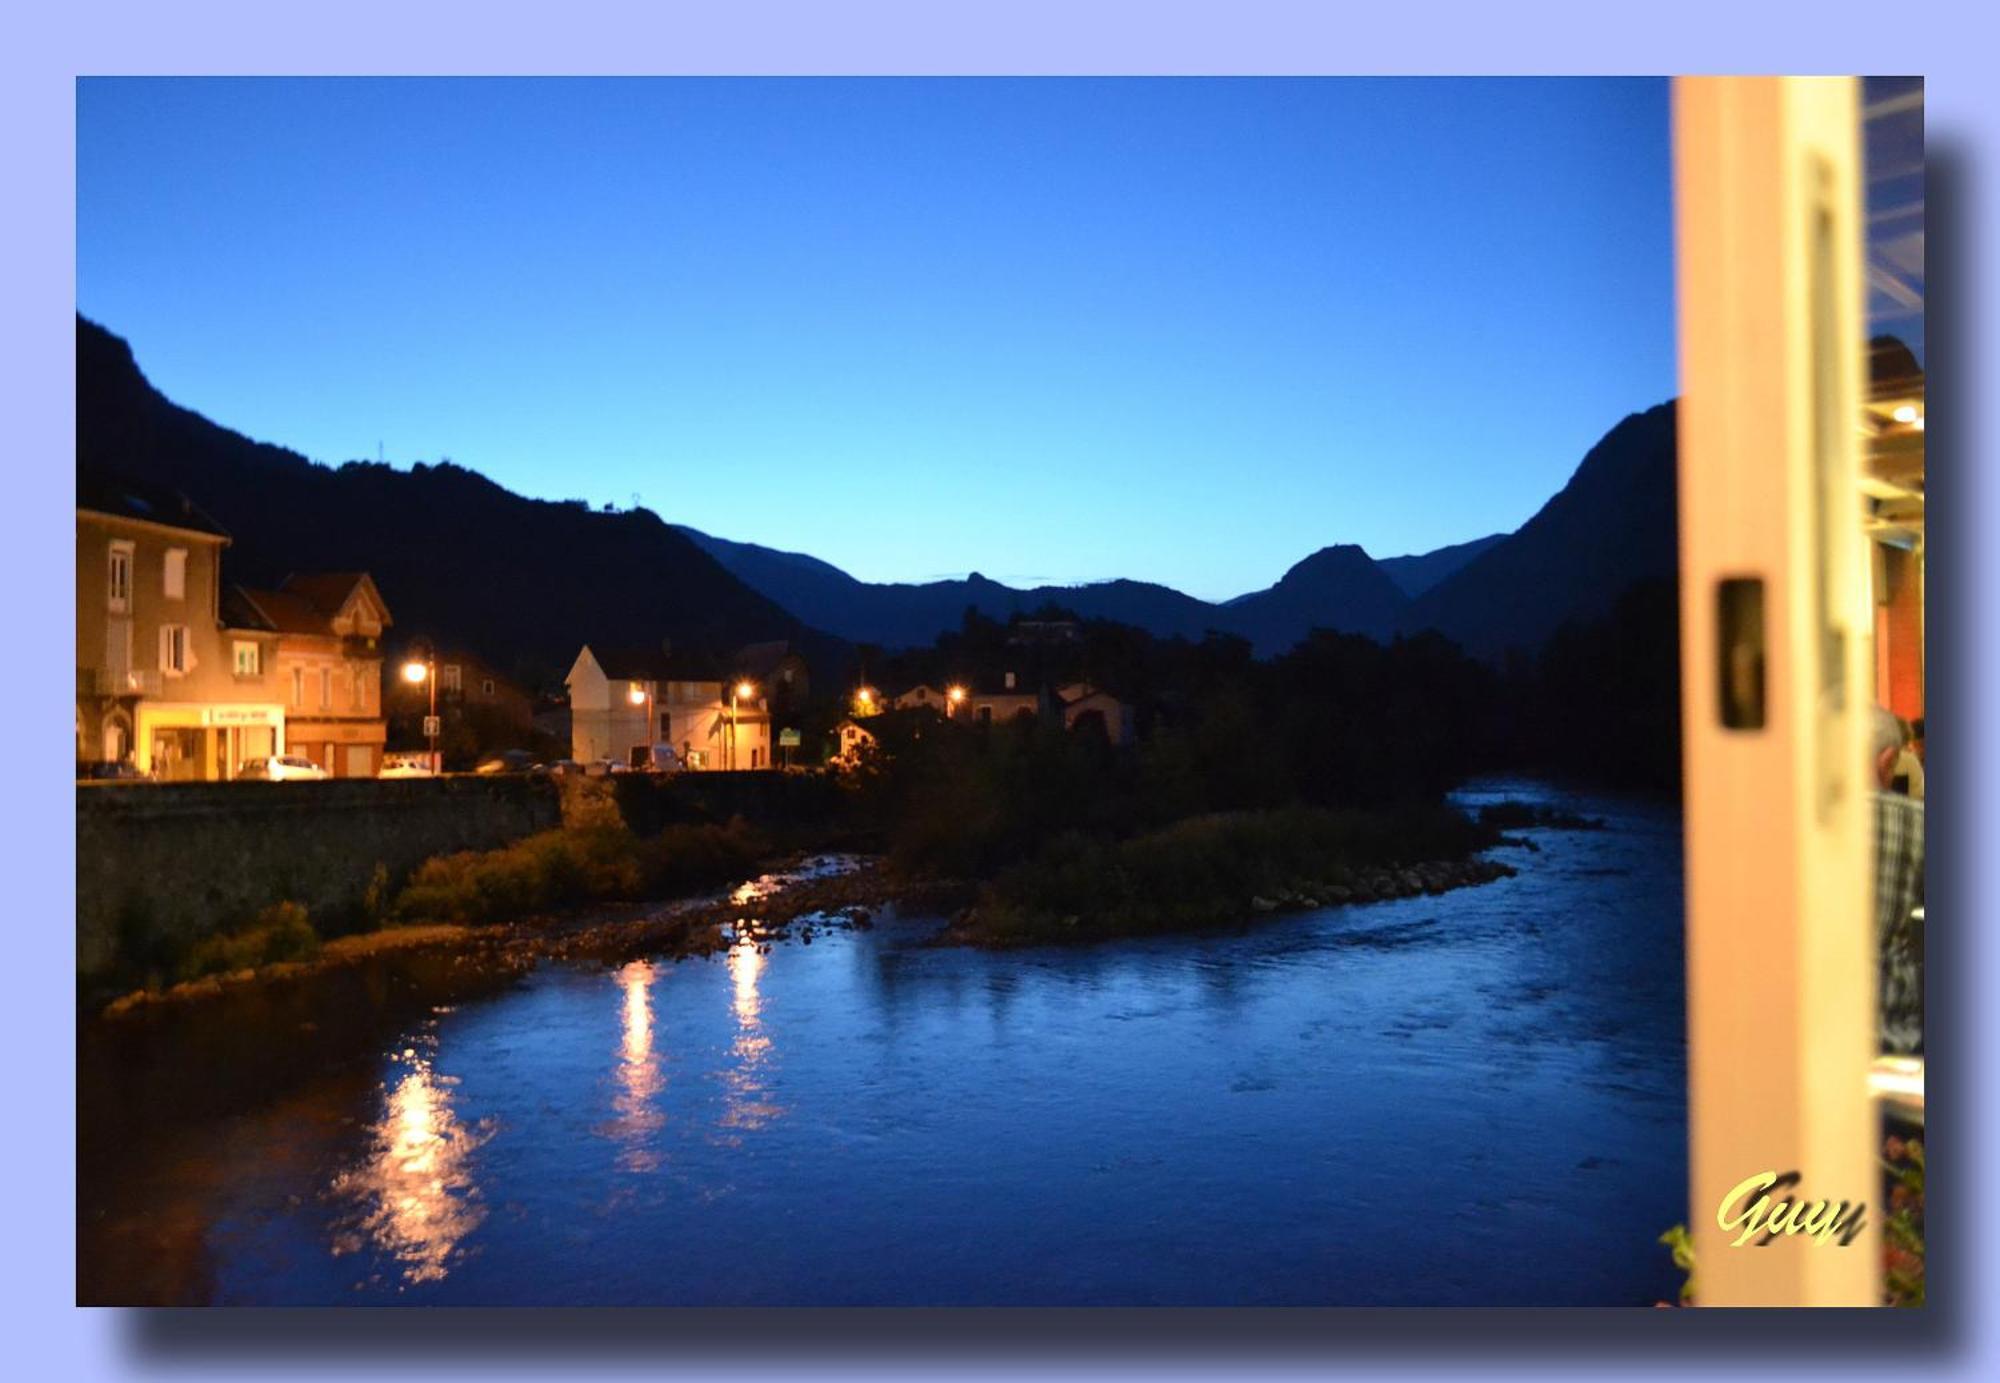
x=281 y=932
x=573 y=865
x=1203 y=871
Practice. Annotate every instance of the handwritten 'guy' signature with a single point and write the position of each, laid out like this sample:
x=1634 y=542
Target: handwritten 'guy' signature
x=1820 y=1219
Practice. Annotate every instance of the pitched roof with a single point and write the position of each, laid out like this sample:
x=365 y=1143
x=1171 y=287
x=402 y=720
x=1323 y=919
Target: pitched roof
x=280 y=611
x=103 y=492
x=328 y=591
x=307 y=603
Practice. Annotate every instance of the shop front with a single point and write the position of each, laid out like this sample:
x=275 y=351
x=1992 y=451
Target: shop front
x=185 y=742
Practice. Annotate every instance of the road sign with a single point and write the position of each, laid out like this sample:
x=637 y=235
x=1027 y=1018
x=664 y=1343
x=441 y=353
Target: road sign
x=431 y=727
x=788 y=739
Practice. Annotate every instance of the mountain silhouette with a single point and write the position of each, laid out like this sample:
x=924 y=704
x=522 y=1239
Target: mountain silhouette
x=521 y=582
x=524 y=582
x=1419 y=572
x=1613 y=524
x=911 y=615
x=1340 y=588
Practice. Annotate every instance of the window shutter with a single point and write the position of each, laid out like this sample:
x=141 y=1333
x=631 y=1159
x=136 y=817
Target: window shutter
x=166 y=648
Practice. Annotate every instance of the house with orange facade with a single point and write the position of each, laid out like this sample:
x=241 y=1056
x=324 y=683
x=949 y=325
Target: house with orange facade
x=328 y=664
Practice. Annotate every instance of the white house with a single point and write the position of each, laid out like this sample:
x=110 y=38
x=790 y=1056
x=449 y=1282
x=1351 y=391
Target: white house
x=624 y=701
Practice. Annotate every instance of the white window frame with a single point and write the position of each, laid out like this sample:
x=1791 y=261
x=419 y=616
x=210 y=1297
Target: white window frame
x=255 y=661
x=176 y=650
x=118 y=576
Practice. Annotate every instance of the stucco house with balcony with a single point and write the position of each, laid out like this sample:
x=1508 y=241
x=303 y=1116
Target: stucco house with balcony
x=624 y=700
x=328 y=663
x=160 y=684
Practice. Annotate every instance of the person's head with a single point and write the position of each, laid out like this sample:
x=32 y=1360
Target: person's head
x=1885 y=744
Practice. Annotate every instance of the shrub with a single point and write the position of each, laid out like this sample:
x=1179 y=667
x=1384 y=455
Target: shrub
x=1201 y=872
x=572 y=865
x=281 y=932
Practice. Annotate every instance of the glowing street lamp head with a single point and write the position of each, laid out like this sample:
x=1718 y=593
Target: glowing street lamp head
x=957 y=694
x=1906 y=414
x=866 y=696
x=415 y=671
x=746 y=690
x=638 y=694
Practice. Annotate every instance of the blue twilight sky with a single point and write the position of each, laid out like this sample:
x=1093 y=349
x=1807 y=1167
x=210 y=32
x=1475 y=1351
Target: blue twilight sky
x=1063 y=330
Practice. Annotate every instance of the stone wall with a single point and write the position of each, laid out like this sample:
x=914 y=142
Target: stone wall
x=159 y=865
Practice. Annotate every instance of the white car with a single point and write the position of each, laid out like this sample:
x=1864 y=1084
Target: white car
x=406 y=766
x=284 y=768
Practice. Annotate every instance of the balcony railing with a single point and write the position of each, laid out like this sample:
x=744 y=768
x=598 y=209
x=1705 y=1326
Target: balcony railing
x=97 y=681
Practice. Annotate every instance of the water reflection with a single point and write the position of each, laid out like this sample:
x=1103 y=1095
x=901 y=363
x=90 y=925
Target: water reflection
x=637 y=1116
x=746 y=1102
x=414 y=1190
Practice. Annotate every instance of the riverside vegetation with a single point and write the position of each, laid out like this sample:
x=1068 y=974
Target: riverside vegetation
x=1253 y=786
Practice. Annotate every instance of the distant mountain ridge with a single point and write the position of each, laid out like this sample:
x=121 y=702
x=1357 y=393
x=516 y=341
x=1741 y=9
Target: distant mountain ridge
x=1416 y=574
x=1337 y=587
x=1613 y=525
x=524 y=582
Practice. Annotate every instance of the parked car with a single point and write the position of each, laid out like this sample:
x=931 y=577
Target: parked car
x=506 y=761
x=109 y=770
x=282 y=768
x=406 y=766
x=559 y=768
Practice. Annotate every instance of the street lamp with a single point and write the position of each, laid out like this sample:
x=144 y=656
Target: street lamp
x=744 y=689
x=641 y=694
x=425 y=670
x=953 y=696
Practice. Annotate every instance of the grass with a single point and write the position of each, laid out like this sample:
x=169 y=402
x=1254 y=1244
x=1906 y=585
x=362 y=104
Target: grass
x=574 y=865
x=1202 y=872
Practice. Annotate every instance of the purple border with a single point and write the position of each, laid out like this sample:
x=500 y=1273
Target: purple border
x=50 y=46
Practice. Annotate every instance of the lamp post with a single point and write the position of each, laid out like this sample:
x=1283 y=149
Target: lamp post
x=953 y=697
x=426 y=671
x=745 y=690
x=641 y=694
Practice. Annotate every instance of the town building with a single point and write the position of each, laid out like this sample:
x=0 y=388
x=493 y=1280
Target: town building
x=855 y=740
x=983 y=701
x=1081 y=702
x=328 y=628
x=481 y=710
x=710 y=711
x=160 y=685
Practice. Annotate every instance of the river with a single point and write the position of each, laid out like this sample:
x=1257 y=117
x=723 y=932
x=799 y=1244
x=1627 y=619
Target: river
x=1476 y=1098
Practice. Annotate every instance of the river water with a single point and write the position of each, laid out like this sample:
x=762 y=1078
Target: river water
x=1473 y=1098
